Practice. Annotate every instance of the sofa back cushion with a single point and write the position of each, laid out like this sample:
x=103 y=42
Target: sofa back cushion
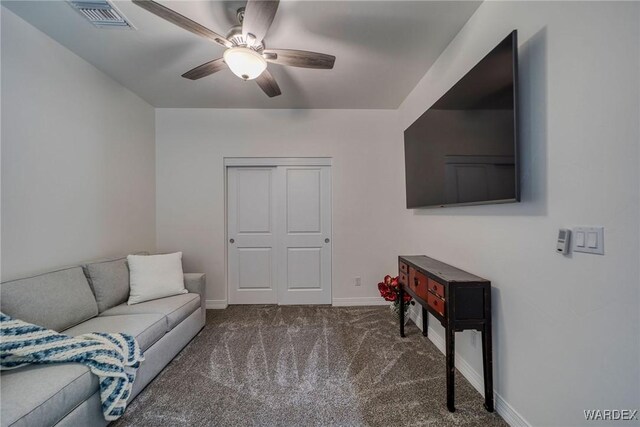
x=109 y=281
x=57 y=300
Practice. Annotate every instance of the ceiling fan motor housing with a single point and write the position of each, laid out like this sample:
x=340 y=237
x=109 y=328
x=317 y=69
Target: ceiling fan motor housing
x=237 y=39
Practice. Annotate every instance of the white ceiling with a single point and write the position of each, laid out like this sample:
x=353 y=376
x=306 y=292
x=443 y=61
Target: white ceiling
x=383 y=48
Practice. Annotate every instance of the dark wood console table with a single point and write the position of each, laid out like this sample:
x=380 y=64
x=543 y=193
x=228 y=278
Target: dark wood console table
x=459 y=301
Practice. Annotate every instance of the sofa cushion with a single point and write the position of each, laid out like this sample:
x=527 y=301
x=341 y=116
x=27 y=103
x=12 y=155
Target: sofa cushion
x=56 y=300
x=146 y=328
x=109 y=281
x=176 y=308
x=40 y=395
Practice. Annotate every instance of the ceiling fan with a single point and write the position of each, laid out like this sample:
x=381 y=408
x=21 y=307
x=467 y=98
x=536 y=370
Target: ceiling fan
x=245 y=55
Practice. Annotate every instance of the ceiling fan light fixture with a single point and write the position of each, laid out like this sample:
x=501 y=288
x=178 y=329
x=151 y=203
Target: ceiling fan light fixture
x=244 y=62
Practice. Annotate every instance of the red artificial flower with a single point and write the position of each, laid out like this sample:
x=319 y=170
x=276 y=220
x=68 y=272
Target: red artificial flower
x=389 y=289
x=386 y=292
x=394 y=282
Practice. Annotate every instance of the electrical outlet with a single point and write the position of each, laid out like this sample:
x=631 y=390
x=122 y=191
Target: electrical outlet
x=474 y=337
x=358 y=281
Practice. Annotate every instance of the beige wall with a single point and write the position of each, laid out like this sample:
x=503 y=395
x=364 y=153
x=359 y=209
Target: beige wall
x=78 y=158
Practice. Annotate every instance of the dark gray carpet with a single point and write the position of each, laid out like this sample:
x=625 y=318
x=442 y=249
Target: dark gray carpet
x=306 y=366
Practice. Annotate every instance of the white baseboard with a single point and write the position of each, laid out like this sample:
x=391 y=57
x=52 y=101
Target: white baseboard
x=502 y=407
x=219 y=304
x=347 y=302
x=510 y=415
x=216 y=304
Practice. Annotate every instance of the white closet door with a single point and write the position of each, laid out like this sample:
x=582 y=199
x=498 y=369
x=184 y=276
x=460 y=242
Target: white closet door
x=304 y=228
x=252 y=236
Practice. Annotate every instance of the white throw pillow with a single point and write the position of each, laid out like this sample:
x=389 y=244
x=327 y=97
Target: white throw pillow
x=155 y=276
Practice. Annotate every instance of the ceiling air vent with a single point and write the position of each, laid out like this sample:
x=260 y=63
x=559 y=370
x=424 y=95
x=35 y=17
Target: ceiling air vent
x=101 y=13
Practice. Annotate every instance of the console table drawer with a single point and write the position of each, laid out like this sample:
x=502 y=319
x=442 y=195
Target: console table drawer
x=419 y=280
x=403 y=268
x=402 y=278
x=435 y=287
x=419 y=285
x=436 y=303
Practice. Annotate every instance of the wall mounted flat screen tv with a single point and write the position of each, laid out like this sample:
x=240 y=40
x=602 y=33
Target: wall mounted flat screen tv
x=464 y=149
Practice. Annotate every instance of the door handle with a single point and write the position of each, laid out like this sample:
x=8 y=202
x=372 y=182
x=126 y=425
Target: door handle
x=231 y=241
x=327 y=240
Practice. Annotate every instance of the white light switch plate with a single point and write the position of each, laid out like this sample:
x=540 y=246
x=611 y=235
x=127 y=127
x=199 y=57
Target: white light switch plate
x=589 y=240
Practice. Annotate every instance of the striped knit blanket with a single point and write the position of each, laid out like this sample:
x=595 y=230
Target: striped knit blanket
x=114 y=358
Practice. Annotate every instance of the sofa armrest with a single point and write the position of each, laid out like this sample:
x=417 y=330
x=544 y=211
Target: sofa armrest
x=195 y=283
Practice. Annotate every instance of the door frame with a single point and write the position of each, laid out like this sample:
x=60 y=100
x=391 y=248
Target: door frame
x=267 y=162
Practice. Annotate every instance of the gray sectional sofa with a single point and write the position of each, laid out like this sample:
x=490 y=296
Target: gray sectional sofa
x=90 y=298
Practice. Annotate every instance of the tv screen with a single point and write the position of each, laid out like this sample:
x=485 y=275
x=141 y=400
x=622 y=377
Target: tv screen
x=463 y=150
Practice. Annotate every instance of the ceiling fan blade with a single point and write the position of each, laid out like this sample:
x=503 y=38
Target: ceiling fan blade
x=205 y=69
x=268 y=84
x=258 y=16
x=300 y=58
x=181 y=21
